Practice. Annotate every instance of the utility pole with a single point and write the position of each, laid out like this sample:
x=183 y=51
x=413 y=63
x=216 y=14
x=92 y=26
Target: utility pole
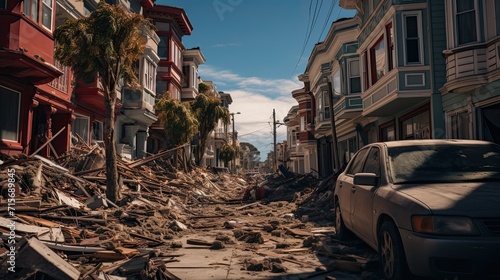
x=335 y=151
x=234 y=141
x=275 y=164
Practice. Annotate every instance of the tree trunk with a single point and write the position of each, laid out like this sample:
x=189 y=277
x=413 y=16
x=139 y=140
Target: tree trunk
x=112 y=187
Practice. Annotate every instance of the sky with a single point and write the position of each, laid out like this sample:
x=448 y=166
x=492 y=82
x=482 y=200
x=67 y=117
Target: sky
x=255 y=50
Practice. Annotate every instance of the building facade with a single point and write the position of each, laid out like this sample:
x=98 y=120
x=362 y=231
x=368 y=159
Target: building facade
x=471 y=92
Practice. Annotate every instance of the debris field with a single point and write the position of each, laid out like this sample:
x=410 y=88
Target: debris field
x=170 y=223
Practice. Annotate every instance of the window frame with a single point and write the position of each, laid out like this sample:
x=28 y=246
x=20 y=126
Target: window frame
x=476 y=21
x=326 y=105
x=35 y=10
x=418 y=15
x=350 y=76
x=372 y=64
x=85 y=137
x=17 y=119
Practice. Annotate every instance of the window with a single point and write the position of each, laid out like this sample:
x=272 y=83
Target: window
x=357 y=163
x=326 y=102
x=302 y=123
x=80 y=129
x=372 y=164
x=337 y=86
x=9 y=114
x=465 y=21
x=163 y=47
x=413 y=36
x=31 y=9
x=354 y=77
x=186 y=71
x=391 y=52
x=161 y=87
x=460 y=125
x=497 y=16
x=387 y=131
x=149 y=75
x=97 y=131
x=377 y=60
x=47 y=14
x=3 y=4
x=416 y=125
x=37 y=11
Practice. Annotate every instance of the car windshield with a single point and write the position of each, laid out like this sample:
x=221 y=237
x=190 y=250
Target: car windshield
x=444 y=163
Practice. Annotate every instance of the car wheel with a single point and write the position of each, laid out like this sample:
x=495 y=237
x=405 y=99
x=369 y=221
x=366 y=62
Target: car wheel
x=391 y=253
x=341 y=232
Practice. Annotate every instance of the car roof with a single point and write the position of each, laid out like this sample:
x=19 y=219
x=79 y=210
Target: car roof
x=421 y=142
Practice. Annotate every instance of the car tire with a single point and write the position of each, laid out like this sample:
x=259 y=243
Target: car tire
x=391 y=253
x=341 y=232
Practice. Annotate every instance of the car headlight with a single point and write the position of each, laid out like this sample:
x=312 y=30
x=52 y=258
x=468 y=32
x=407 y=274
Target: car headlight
x=444 y=225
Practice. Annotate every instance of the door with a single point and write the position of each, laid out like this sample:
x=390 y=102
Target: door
x=362 y=197
x=345 y=186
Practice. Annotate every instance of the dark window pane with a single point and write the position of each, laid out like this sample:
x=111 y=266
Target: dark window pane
x=497 y=15
x=9 y=114
x=464 y=5
x=411 y=27
x=356 y=85
x=357 y=164
x=412 y=52
x=372 y=164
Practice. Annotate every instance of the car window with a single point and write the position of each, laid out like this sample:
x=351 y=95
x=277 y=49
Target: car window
x=444 y=163
x=357 y=162
x=372 y=164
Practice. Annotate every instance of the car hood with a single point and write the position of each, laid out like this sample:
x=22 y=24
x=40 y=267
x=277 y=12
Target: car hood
x=456 y=198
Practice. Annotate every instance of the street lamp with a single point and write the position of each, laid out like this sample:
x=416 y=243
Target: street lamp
x=234 y=140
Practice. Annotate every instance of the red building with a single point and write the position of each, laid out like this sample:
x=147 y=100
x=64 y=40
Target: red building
x=172 y=24
x=35 y=95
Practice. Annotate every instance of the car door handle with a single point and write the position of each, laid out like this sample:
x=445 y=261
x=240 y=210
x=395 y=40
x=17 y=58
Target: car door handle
x=353 y=189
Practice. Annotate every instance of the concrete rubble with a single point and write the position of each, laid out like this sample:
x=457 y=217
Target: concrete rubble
x=61 y=226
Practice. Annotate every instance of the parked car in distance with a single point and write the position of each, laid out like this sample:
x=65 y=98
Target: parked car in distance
x=430 y=208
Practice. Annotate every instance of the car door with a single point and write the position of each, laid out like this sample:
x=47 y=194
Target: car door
x=345 y=184
x=362 y=197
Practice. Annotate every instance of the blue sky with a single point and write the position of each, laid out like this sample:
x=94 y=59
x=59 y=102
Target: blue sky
x=255 y=49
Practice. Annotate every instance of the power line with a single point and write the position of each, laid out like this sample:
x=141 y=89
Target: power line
x=332 y=5
x=310 y=27
x=253 y=131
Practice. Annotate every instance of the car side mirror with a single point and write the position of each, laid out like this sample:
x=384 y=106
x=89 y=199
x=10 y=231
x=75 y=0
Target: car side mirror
x=370 y=179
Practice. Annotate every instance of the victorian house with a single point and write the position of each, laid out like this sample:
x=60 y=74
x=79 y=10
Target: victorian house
x=35 y=94
x=471 y=95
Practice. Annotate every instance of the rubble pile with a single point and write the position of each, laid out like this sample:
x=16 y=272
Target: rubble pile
x=56 y=222
x=62 y=207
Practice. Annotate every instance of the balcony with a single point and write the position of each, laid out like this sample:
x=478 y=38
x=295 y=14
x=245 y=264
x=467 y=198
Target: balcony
x=468 y=67
x=89 y=94
x=348 y=107
x=26 y=50
x=386 y=98
x=138 y=105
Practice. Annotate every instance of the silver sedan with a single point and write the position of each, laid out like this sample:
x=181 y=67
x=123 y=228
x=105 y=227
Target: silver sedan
x=430 y=208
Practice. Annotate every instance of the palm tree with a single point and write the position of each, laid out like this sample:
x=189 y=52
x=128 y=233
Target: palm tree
x=178 y=122
x=209 y=111
x=227 y=153
x=107 y=44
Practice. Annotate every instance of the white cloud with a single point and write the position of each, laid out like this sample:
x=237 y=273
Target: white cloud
x=255 y=98
x=225 y=45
